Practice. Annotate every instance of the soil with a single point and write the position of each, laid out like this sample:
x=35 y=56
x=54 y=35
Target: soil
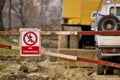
x=36 y=68
x=46 y=67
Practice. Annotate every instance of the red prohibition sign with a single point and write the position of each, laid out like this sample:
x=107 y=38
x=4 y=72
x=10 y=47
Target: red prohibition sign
x=28 y=38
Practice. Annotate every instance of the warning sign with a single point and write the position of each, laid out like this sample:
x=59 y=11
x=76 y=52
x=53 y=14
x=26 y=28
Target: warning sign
x=30 y=38
x=30 y=42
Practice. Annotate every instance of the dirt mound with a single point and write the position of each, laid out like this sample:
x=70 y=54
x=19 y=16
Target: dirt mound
x=34 y=68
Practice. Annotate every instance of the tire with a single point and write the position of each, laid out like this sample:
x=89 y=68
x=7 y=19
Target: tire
x=109 y=70
x=100 y=69
x=109 y=22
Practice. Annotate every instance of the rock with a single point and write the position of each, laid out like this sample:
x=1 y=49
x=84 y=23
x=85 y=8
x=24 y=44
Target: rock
x=15 y=41
x=23 y=68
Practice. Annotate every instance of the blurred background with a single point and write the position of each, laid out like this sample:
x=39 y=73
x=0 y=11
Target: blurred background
x=29 y=13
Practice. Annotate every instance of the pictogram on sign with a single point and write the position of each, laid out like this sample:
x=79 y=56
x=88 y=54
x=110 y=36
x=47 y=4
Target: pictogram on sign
x=30 y=38
x=30 y=43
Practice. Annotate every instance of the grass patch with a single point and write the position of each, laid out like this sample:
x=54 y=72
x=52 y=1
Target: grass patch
x=2 y=67
x=7 y=52
x=6 y=40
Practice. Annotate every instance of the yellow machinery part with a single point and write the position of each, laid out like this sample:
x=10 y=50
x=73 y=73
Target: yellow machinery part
x=78 y=12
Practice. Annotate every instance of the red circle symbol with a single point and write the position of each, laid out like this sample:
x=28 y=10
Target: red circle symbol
x=30 y=38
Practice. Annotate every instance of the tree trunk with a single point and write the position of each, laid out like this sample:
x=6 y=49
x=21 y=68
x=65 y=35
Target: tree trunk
x=23 y=22
x=10 y=2
x=2 y=2
x=1 y=22
x=21 y=14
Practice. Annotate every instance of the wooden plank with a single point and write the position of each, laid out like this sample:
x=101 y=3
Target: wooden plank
x=74 y=41
x=42 y=33
x=108 y=41
x=77 y=52
x=62 y=41
x=9 y=33
x=107 y=54
x=58 y=32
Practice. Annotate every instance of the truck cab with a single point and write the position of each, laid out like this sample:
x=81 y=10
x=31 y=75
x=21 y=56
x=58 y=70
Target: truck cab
x=108 y=19
x=111 y=9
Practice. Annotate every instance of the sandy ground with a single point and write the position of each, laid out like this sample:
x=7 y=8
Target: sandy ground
x=45 y=68
x=37 y=68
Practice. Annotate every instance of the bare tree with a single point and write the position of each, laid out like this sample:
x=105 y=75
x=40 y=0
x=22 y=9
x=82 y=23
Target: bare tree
x=54 y=13
x=49 y=11
x=10 y=8
x=43 y=9
x=2 y=2
x=18 y=10
x=23 y=10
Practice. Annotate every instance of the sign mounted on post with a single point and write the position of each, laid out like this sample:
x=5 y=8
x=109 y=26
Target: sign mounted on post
x=30 y=43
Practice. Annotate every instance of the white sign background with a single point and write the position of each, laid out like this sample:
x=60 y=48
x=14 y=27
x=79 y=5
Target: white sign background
x=23 y=31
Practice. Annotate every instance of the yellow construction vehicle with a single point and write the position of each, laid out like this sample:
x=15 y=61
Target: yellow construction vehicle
x=80 y=13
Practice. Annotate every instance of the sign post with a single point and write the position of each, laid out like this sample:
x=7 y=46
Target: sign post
x=30 y=43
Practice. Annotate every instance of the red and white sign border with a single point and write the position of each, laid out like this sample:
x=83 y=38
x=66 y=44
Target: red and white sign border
x=39 y=41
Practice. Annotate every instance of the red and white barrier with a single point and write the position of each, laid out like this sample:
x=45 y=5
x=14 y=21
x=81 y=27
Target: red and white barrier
x=66 y=33
x=76 y=58
x=9 y=47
